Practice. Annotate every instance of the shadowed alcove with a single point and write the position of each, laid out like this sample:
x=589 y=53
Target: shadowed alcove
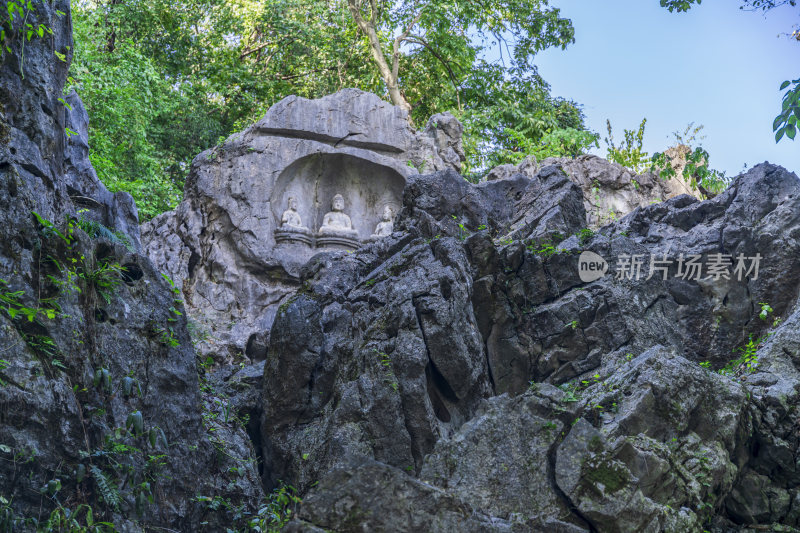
x=314 y=180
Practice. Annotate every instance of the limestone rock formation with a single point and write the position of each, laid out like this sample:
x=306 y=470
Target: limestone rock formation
x=610 y=191
x=224 y=245
x=467 y=352
x=220 y=245
x=100 y=402
x=490 y=364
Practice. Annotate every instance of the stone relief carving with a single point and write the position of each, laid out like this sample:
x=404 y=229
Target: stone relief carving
x=292 y=228
x=386 y=225
x=336 y=222
x=291 y=218
x=336 y=230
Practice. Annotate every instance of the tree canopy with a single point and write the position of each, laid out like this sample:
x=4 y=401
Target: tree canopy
x=163 y=81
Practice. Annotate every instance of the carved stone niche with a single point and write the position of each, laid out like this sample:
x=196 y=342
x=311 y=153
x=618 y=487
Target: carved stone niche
x=366 y=189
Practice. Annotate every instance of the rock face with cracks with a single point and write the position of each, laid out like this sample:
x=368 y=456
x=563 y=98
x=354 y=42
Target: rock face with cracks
x=466 y=352
x=223 y=244
x=457 y=375
x=610 y=191
x=100 y=402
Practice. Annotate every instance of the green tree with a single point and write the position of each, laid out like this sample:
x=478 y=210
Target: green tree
x=163 y=81
x=629 y=153
x=124 y=98
x=507 y=118
x=446 y=29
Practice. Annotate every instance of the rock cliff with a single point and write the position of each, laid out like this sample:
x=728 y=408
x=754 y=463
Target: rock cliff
x=488 y=369
x=220 y=245
x=100 y=401
x=499 y=359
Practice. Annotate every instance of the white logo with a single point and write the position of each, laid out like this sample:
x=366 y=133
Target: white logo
x=591 y=267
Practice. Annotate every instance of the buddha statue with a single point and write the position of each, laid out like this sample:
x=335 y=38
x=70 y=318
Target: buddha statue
x=291 y=218
x=337 y=228
x=386 y=225
x=292 y=229
x=336 y=222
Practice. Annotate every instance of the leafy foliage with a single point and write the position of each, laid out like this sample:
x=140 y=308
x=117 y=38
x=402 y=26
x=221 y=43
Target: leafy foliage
x=125 y=96
x=786 y=123
x=3 y=365
x=163 y=81
x=566 y=142
x=108 y=490
x=277 y=511
x=11 y=303
x=95 y=229
x=692 y=160
x=747 y=361
x=63 y=519
x=506 y=120
x=764 y=5
x=628 y=154
x=442 y=33
x=696 y=172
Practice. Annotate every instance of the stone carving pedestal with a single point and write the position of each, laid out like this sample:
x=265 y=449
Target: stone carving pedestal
x=342 y=240
x=287 y=236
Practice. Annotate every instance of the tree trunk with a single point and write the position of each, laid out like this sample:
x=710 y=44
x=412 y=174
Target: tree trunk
x=388 y=74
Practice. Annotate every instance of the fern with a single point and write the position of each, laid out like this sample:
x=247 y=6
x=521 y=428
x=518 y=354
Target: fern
x=108 y=490
x=95 y=229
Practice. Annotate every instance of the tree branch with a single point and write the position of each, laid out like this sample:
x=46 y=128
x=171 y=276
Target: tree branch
x=253 y=50
x=373 y=16
x=419 y=40
x=400 y=38
x=370 y=28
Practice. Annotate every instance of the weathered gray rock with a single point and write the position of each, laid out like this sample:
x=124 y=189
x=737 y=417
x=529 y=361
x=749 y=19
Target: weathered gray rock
x=528 y=167
x=353 y=498
x=99 y=391
x=411 y=384
x=650 y=442
x=755 y=500
x=33 y=143
x=220 y=244
x=501 y=461
x=446 y=132
x=766 y=491
x=610 y=191
x=669 y=436
x=554 y=327
x=31 y=117
x=386 y=349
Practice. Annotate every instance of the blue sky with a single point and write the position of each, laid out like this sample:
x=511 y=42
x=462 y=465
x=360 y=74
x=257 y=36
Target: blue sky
x=715 y=65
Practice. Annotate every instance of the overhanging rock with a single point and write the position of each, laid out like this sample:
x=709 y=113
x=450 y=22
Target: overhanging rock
x=230 y=246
